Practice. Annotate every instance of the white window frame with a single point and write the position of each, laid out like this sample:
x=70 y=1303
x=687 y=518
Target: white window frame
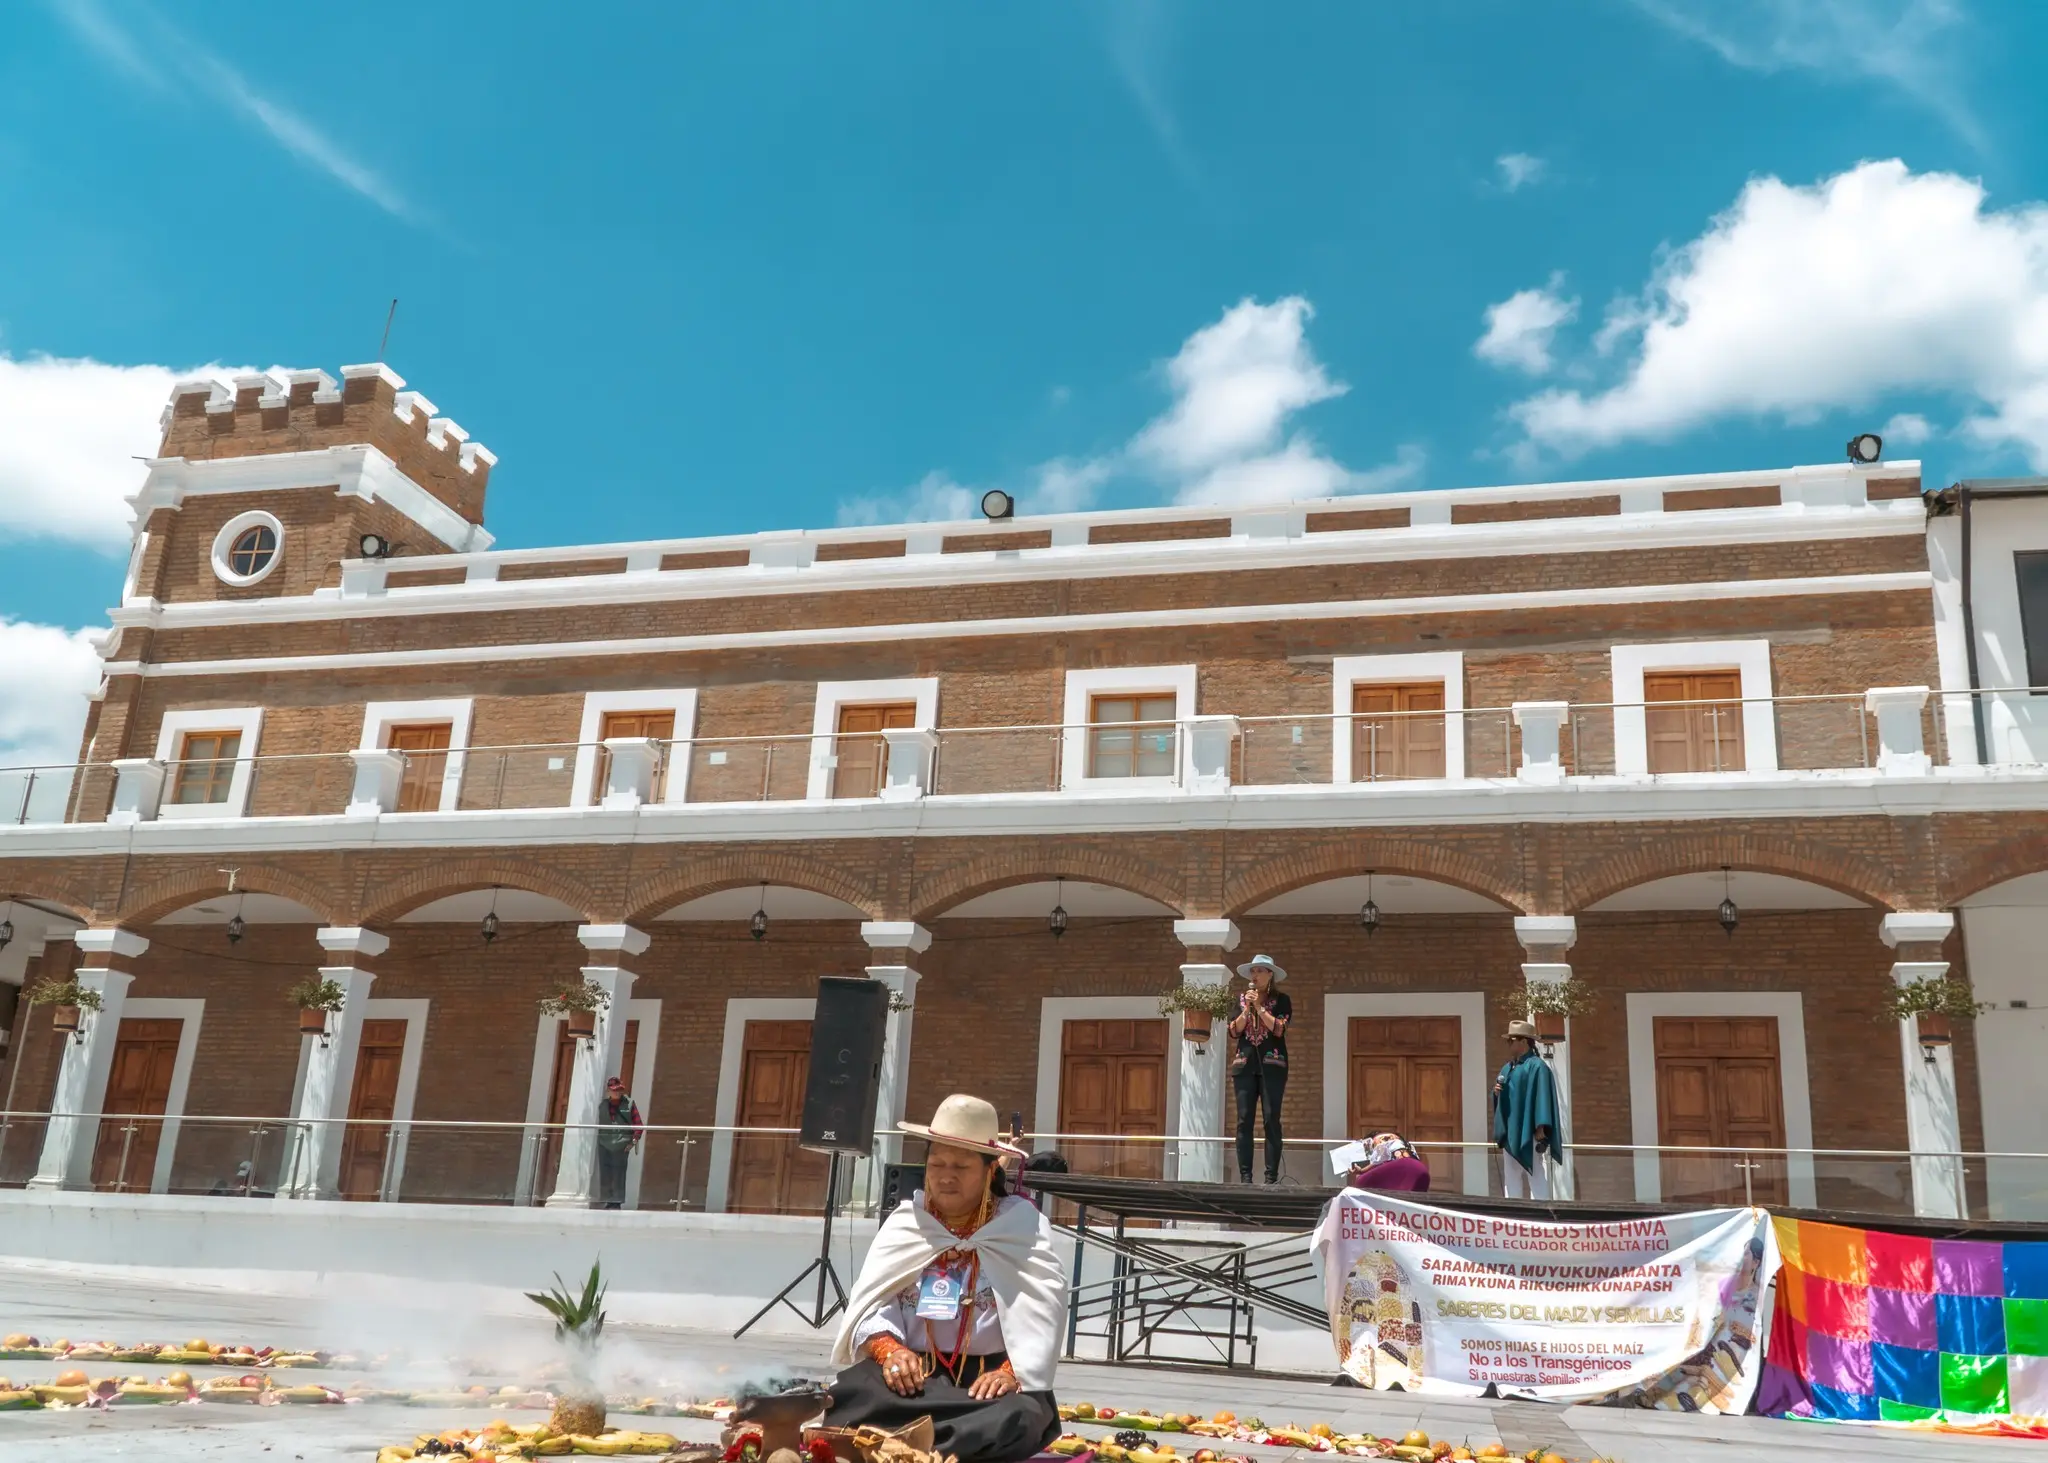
x=188 y=1011
x=170 y=737
x=1177 y=681
x=1474 y=1115
x=725 y=1112
x=1054 y=1012
x=546 y=1039
x=1788 y=1009
x=1349 y=671
x=584 y=791
x=233 y=529
x=380 y=716
x=1750 y=658
x=923 y=691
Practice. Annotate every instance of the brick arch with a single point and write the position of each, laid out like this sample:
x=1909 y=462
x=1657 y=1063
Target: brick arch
x=398 y=897
x=1270 y=878
x=1702 y=851
x=1986 y=868
x=1032 y=863
x=173 y=892
x=661 y=892
x=57 y=893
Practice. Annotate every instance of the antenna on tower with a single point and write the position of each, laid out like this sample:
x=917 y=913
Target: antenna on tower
x=386 y=341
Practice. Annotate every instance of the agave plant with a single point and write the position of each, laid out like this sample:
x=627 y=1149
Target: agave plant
x=579 y=1320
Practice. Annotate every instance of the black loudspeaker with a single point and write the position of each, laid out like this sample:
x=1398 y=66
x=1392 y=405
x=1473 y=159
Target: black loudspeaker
x=899 y=1182
x=846 y=1065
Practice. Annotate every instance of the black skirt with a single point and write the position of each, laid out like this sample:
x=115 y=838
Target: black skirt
x=1003 y=1430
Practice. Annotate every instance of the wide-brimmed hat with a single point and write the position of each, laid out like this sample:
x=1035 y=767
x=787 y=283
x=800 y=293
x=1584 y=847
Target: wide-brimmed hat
x=964 y=1122
x=1526 y=1029
x=1258 y=963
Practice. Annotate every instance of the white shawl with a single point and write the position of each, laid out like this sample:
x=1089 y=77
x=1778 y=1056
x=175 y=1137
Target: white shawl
x=1018 y=1262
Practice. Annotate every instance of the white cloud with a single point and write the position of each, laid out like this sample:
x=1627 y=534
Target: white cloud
x=1519 y=170
x=205 y=72
x=1799 y=300
x=1224 y=439
x=1520 y=329
x=70 y=431
x=1909 y=44
x=1907 y=429
x=1235 y=383
x=49 y=673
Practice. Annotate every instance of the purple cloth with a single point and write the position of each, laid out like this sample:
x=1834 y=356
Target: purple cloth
x=1397 y=1176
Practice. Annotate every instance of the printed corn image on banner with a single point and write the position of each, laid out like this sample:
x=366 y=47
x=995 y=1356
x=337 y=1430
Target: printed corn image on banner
x=1877 y=1327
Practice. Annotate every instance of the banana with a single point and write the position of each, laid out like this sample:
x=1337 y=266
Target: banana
x=144 y=1392
x=608 y=1446
x=23 y=1401
x=233 y=1392
x=305 y=1394
x=70 y=1396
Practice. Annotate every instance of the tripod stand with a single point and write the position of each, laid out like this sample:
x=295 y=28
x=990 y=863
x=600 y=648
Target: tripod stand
x=819 y=1313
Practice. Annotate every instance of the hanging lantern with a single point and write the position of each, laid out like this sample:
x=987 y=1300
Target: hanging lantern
x=1730 y=916
x=6 y=933
x=489 y=928
x=1369 y=912
x=237 y=927
x=1057 y=920
x=758 y=925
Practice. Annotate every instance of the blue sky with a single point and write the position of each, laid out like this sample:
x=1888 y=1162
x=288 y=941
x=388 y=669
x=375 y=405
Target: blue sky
x=701 y=269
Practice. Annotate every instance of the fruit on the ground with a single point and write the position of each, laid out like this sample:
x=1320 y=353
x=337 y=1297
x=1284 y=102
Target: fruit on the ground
x=145 y=1392
x=70 y=1396
x=1224 y=1417
x=199 y=1343
x=1415 y=1438
x=17 y=1338
x=1491 y=1450
x=1323 y=1430
x=21 y=1401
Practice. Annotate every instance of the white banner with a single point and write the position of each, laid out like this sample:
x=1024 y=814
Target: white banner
x=1657 y=1312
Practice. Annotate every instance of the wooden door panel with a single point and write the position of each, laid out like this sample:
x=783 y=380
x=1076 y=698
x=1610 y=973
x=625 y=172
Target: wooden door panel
x=373 y=1099
x=861 y=750
x=1719 y=1086
x=138 y=1095
x=771 y=1174
x=426 y=764
x=1407 y=1077
x=1113 y=1082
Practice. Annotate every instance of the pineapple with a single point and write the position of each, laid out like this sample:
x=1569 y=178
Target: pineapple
x=579 y=1320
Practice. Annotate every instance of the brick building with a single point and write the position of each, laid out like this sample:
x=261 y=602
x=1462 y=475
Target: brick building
x=1536 y=731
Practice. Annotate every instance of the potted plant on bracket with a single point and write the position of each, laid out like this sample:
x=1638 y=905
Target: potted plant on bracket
x=1200 y=1007
x=1933 y=1004
x=1551 y=1001
x=67 y=999
x=578 y=1002
x=316 y=997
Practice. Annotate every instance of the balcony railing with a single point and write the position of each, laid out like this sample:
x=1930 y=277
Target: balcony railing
x=689 y=1168
x=1903 y=730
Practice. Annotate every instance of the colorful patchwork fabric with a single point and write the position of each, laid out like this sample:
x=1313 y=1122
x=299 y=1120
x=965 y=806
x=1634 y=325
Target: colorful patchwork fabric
x=1877 y=1327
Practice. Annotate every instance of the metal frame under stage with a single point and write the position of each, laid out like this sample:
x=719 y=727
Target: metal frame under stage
x=1164 y=1287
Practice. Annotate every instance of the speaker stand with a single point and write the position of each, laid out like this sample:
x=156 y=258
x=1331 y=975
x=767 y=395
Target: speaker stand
x=819 y=1313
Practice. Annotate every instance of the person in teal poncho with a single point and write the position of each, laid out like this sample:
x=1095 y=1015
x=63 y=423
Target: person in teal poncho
x=1527 y=1126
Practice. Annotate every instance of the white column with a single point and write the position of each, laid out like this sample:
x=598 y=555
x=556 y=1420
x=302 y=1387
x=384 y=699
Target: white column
x=1542 y=753
x=1933 y=1120
x=1545 y=940
x=313 y=1164
x=596 y=1059
x=88 y=1059
x=1202 y=1068
x=1901 y=746
x=891 y=943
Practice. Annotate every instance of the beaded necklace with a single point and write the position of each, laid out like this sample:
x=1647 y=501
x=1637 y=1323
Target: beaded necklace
x=948 y=1258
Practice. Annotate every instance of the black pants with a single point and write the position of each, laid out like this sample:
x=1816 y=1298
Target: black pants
x=1004 y=1430
x=1254 y=1082
x=611 y=1175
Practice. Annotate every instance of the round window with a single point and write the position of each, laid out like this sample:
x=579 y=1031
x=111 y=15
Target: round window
x=245 y=551
x=252 y=551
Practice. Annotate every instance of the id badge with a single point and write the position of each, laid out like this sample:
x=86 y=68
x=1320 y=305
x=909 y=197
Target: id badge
x=938 y=1294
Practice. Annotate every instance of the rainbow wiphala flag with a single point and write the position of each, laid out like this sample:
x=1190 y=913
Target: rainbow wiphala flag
x=1877 y=1327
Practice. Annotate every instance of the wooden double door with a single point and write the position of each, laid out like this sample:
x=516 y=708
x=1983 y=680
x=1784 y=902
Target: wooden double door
x=771 y=1174
x=1113 y=1082
x=1718 y=1086
x=138 y=1095
x=1406 y=1077
x=861 y=751
x=373 y=1104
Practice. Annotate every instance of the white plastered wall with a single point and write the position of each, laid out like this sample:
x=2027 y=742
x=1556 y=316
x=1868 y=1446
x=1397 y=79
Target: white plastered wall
x=2003 y=938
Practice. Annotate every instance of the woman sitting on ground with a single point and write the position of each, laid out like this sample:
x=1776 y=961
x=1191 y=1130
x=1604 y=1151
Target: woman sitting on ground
x=1389 y=1164
x=957 y=1312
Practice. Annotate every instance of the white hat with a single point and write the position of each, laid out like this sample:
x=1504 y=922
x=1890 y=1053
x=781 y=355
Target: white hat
x=1526 y=1029
x=1258 y=963
x=964 y=1122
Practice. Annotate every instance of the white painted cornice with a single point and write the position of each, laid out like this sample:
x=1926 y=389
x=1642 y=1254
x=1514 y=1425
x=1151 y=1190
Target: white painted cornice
x=355 y=471
x=1351 y=609
x=485 y=593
